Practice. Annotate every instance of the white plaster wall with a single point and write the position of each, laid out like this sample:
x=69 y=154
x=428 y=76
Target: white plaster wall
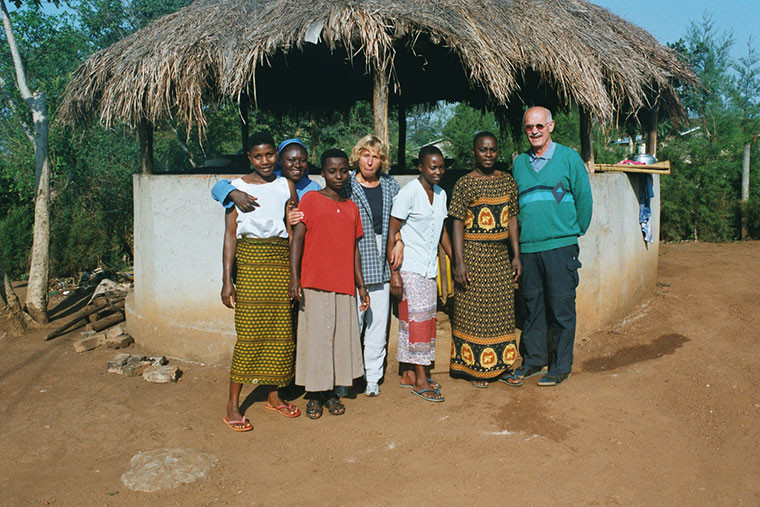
x=175 y=308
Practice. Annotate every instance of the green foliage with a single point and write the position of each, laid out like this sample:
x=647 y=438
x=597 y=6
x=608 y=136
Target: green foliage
x=16 y=239
x=462 y=127
x=752 y=210
x=699 y=196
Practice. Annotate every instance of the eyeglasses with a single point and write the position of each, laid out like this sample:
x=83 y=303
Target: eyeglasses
x=538 y=126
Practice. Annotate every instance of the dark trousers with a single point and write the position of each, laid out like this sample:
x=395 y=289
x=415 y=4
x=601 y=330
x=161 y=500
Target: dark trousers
x=548 y=285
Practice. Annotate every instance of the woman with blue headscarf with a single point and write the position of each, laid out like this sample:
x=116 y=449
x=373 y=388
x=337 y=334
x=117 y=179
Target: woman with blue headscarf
x=292 y=163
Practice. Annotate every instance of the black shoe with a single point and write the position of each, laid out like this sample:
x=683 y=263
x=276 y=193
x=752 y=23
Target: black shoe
x=552 y=380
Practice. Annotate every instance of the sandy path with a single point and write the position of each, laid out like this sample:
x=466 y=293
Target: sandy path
x=661 y=409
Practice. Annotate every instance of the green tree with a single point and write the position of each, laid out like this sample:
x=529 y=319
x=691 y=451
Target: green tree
x=745 y=98
x=462 y=127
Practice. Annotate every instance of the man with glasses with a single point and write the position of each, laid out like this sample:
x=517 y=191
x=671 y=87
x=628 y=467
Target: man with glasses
x=555 y=208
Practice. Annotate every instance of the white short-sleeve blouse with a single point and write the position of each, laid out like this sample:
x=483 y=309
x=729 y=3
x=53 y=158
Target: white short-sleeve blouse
x=421 y=228
x=268 y=219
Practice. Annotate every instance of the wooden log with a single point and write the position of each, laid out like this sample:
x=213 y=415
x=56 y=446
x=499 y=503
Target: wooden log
x=656 y=168
x=81 y=314
x=106 y=322
x=380 y=104
x=145 y=133
x=587 y=139
x=108 y=310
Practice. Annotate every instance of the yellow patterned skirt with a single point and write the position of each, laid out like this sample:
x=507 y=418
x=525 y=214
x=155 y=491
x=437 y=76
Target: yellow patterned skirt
x=265 y=348
x=483 y=326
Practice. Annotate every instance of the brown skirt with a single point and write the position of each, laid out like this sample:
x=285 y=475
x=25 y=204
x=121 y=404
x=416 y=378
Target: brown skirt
x=328 y=351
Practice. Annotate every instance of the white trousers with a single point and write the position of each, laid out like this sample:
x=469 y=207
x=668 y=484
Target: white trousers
x=376 y=331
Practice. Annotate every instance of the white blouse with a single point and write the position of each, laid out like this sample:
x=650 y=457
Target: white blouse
x=421 y=228
x=268 y=219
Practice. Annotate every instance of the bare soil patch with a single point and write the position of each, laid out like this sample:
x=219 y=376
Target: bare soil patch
x=662 y=408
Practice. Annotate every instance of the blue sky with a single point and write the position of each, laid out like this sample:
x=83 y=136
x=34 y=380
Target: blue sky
x=667 y=19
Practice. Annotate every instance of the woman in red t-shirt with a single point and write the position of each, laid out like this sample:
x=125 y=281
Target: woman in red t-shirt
x=325 y=272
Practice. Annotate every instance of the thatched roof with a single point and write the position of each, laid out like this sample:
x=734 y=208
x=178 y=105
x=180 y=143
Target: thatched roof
x=487 y=52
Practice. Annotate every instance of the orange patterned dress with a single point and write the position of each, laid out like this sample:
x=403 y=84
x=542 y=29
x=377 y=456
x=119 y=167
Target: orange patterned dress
x=483 y=327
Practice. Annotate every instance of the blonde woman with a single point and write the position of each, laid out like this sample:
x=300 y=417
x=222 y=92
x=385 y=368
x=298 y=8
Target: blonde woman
x=373 y=191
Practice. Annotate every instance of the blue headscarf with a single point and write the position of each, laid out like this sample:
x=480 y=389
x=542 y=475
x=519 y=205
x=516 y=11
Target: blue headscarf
x=305 y=184
x=281 y=146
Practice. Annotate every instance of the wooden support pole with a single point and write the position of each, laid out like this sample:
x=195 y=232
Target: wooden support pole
x=145 y=132
x=402 y=135
x=380 y=104
x=587 y=139
x=651 y=126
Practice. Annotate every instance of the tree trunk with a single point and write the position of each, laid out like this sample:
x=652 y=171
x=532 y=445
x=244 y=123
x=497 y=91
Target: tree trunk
x=380 y=104
x=36 y=296
x=9 y=303
x=37 y=290
x=745 y=188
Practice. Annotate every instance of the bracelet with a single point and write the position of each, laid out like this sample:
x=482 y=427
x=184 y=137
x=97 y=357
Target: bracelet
x=361 y=287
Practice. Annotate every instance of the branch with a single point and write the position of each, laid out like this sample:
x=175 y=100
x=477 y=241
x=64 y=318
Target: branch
x=183 y=146
x=20 y=75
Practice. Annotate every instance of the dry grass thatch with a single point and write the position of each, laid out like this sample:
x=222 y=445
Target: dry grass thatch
x=488 y=52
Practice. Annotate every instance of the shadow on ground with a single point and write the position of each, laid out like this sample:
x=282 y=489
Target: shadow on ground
x=664 y=345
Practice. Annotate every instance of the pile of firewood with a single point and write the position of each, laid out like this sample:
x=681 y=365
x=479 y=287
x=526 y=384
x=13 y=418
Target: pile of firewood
x=104 y=310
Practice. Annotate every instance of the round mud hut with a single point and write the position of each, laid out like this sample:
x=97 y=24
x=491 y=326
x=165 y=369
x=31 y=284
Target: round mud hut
x=501 y=55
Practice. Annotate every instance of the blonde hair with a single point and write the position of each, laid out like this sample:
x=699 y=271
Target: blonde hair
x=370 y=142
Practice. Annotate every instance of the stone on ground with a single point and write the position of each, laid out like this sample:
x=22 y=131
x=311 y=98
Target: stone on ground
x=134 y=366
x=88 y=343
x=114 y=331
x=117 y=362
x=167 y=468
x=161 y=374
x=119 y=342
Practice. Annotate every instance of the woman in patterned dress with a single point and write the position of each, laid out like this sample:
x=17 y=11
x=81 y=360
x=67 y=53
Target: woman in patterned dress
x=484 y=212
x=257 y=243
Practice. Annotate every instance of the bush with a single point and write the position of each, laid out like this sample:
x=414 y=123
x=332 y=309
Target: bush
x=16 y=229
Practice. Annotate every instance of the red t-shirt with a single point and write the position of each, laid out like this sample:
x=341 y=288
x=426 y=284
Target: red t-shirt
x=332 y=228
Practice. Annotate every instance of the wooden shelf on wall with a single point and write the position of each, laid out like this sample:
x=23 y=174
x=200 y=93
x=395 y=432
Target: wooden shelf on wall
x=656 y=168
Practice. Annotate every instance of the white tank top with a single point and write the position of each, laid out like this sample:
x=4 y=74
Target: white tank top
x=268 y=219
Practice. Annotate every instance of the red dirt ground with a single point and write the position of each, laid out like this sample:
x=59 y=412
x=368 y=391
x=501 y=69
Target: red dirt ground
x=662 y=409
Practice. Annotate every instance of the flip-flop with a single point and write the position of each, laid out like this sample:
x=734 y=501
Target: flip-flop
x=285 y=409
x=479 y=384
x=248 y=426
x=421 y=394
x=433 y=384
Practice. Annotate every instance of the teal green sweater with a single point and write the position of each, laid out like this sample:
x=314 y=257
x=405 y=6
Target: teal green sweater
x=555 y=203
